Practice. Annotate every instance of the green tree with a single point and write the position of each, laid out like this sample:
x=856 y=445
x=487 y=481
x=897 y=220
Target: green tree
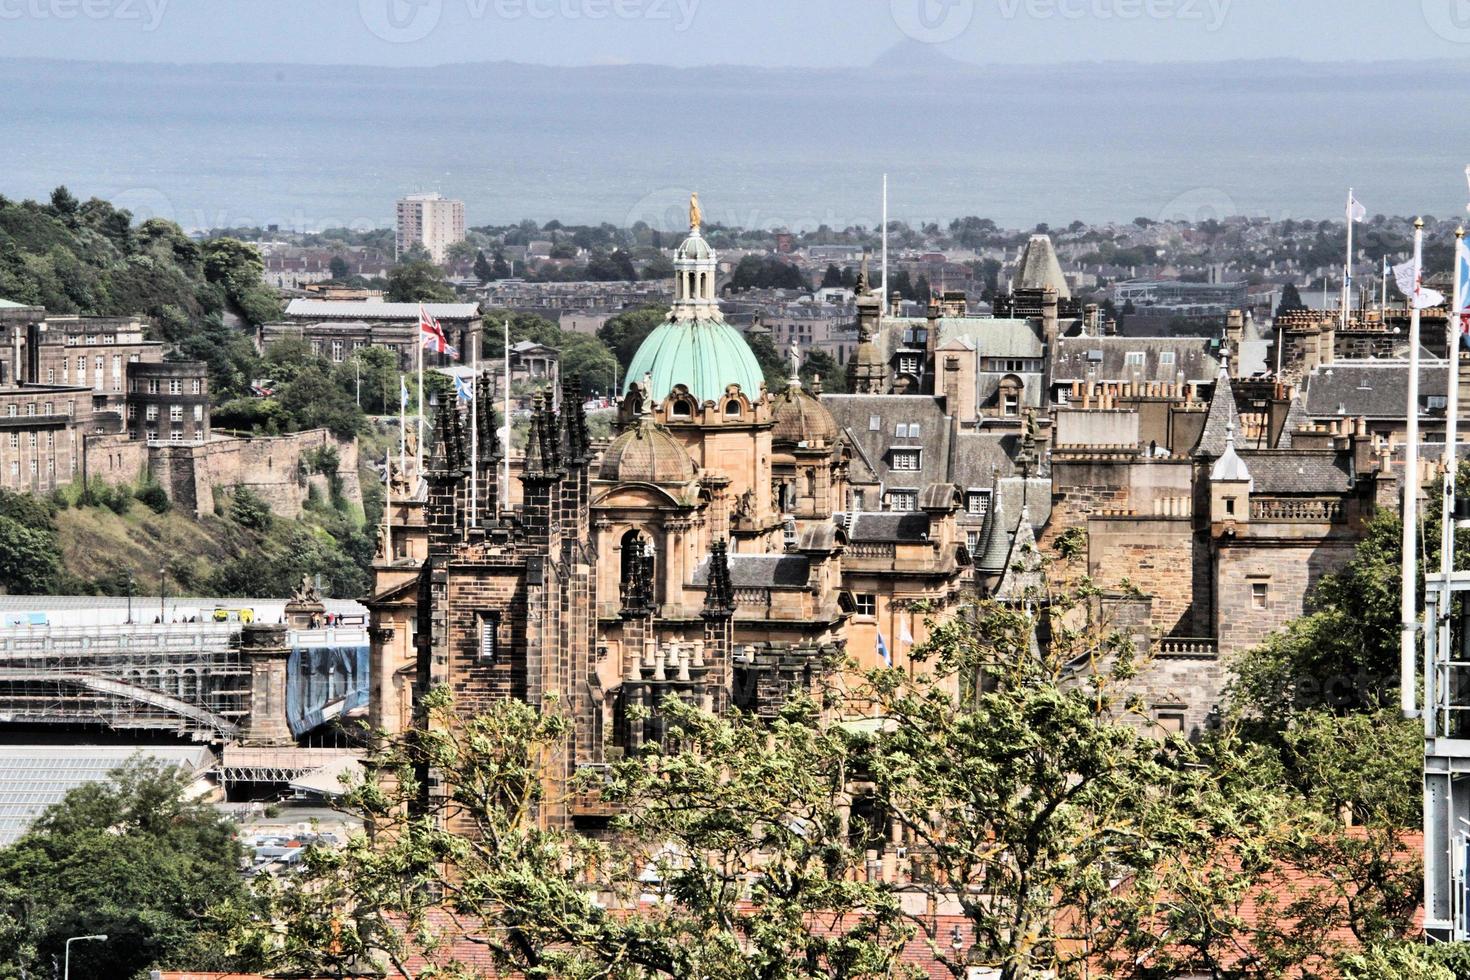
x=339 y=268
x=483 y=270
x=776 y=368
x=138 y=858
x=417 y=280
x=832 y=278
x=738 y=836
x=1291 y=300
x=817 y=363
x=314 y=400
x=625 y=332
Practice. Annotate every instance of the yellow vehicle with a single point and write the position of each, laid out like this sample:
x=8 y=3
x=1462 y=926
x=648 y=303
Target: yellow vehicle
x=223 y=615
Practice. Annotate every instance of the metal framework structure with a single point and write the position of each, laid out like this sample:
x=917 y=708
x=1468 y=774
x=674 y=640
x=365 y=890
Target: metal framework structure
x=183 y=678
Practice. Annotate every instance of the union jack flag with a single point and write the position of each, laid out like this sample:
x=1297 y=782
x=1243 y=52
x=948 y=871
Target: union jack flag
x=431 y=335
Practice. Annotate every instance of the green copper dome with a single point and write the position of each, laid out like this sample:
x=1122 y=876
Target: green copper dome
x=703 y=355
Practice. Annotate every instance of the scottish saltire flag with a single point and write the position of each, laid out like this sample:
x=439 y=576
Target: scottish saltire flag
x=402 y=392
x=431 y=335
x=883 y=651
x=1411 y=283
x=464 y=389
x=1355 y=210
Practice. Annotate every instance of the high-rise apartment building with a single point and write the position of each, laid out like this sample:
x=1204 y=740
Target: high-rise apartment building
x=430 y=220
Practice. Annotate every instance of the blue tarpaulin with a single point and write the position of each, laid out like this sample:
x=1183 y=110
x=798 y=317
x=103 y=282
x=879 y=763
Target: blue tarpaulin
x=324 y=682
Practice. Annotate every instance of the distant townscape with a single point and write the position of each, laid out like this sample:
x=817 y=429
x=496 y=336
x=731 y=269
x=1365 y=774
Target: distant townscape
x=546 y=600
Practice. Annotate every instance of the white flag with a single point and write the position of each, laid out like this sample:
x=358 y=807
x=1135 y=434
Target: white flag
x=1356 y=211
x=1410 y=284
x=1462 y=274
x=903 y=632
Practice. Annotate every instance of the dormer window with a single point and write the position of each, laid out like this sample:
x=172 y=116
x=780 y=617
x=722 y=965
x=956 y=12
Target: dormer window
x=732 y=408
x=681 y=409
x=905 y=459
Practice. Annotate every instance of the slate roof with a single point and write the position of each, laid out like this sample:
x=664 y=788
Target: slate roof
x=1296 y=417
x=1299 y=471
x=760 y=571
x=853 y=414
x=1009 y=499
x=1039 y=268
x=1223 y=419
x=1105 y=359
x=337 y=309
x=1375 y=389
x=888 y=526
x=993 y=336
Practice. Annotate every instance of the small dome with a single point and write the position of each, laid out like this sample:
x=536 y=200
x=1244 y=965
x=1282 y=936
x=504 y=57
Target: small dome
x=646 y=453
x=694 y=248
x=802 y=418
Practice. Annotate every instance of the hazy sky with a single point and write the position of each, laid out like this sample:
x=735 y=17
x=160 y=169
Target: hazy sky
x=756 y=32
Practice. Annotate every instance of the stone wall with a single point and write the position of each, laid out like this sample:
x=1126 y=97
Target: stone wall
x=1156 y=555
x=190 y=473
x=1262 y=584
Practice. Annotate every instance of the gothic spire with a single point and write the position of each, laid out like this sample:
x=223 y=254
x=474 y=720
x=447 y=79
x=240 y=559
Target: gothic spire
x=719 y=595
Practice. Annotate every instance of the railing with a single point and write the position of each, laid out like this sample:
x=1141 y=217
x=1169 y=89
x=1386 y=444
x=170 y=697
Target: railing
x=1189 y=646
x=871 y=549
x=1316 y=510
x=753 y=598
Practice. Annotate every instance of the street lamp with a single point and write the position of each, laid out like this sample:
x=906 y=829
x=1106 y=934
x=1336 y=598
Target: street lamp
x=162 y=592
x=66 y=970
x=132 y=584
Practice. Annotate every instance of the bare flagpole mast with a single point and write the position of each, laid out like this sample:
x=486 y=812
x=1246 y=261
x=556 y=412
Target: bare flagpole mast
x=1451 y=457
x=505 y=449
x=884 y=304
x=475 y=428
x=1408 y=593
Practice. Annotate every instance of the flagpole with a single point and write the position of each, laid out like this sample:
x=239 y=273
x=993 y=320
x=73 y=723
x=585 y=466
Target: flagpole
x=388 y=505
x=475 y=428
x=1451 y=451
x=1408 y=590
x=884 y=305
x=1347 y=267
x=1383 y=298
x=418 y=460
x=402 y=426
x=505 y=395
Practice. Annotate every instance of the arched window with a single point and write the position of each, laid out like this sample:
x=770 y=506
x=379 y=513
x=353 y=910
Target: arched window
x=732 y=408
x=632 y=551
x=681 y=409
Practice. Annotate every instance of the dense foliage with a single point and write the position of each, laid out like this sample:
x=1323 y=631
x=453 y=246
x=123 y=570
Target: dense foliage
x=136 y=859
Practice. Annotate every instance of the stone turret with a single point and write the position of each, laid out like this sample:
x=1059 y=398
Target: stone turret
x=867 y=373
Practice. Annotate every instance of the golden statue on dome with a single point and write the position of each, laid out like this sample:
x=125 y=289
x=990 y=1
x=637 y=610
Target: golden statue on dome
x=695 y=216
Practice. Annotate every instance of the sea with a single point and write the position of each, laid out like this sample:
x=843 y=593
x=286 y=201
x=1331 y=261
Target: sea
x=307 y=148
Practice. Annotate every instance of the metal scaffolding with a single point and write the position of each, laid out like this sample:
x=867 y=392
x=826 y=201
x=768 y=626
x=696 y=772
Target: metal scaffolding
x=183 y=678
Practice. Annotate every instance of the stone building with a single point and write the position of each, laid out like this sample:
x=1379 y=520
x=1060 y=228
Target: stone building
x=168 y=401
x=709 y=552
x=336 y=328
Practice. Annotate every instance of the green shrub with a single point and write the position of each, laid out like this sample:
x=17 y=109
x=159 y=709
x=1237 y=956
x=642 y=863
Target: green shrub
x=248 y=510
x=154 y=497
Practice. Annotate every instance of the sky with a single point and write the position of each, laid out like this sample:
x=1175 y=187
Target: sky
x=686 y=33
